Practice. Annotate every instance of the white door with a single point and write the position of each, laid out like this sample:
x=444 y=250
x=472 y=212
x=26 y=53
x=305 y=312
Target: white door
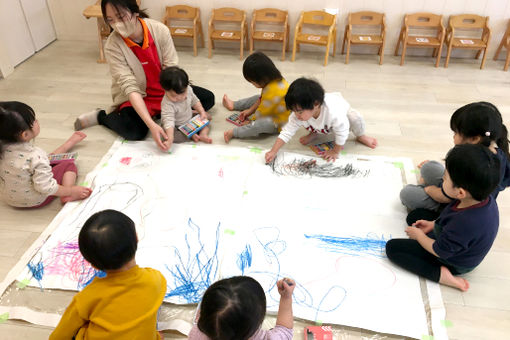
x=14 y=32
x=39 y=22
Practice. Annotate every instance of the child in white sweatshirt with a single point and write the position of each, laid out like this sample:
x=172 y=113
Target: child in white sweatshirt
x=320 y=113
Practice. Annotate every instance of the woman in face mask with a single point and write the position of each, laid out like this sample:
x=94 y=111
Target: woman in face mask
x=137 y=50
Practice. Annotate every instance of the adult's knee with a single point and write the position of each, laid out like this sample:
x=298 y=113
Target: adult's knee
x=134 y=134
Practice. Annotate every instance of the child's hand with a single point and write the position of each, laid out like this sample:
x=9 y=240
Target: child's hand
x=330 y=155
x=79 y=193
x=167 y=144
x=243 y=115
x=204 y=116
x=286 y=287
x=425 y=226
x=270 y=156
x=414 y=233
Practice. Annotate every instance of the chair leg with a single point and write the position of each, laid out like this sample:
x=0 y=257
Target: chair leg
x=348 y=51
x=334 y=43
x=434 y=52
x=484 y=57
x=241 y=48
x=404 y=50
x=499 y=49
x=478 y=53
x=438 y=57
x=381 y=54
x=448 y=56
x=195 y=53
x=284 y=43
x=343 y=42
x=294 y=47
x=328 y=45
x=210 y=47
x=397 y=47
x=251 y=45
x=507 y=61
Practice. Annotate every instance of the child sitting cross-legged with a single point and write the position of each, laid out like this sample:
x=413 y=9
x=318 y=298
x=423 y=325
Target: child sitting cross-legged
x=461 y=237
x=234 y=308
x=122 y=305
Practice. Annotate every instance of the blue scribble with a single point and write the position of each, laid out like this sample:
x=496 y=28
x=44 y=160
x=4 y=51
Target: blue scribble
x=88 y=275
x=371 y=245
x=37 y=270
x=196 y=269
x=244 y=259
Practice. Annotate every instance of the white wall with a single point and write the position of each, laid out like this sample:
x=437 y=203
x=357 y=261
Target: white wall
x=70 y=23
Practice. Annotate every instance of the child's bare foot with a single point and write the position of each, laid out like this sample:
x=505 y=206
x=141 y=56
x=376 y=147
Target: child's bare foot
x=308 y=138
x=371 y=142
x=195 y=138
x=448 y=279
x=65 y=199
x=228 y=103
x=75 y=138
x=228 y=135
x=86 y=120
x=205 y=139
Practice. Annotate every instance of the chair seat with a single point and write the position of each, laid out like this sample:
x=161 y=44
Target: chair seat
x=226 y=35
x=468 y=43
x=266 y=35
x=422 y=41
x=181 y=31
x=366 y=39
x=312 y=39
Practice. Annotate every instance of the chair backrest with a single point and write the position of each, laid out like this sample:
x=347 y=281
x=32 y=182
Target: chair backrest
x=271 y=15
x=366 y=18
x=182 y=12
x=423 y=20
x=228 y=14
x=468 y=21
x=318 y=18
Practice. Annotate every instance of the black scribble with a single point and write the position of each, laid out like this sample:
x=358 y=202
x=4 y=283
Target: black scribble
x=302 y=167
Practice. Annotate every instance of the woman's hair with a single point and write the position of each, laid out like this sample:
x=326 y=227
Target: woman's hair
x=473 y=167
x=130 y=5
x=232 y=309
x=304 y=94
x=15 y=117
x=174 y=78
x=108 y=240
x=260 y=69
x=481 y=119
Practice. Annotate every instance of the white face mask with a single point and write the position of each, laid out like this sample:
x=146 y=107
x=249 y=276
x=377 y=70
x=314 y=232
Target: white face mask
x=125 y=28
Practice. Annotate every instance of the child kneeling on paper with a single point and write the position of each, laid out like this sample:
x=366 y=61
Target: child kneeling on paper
x=463 y=234
x=234 y=308
x=176 y=106
x=123 y=304
x=319 y=113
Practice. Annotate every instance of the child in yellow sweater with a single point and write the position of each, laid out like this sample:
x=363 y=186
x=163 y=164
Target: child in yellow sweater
x=125 y=303
x=269 y=109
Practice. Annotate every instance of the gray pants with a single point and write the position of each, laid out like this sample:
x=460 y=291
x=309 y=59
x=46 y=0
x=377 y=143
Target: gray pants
x=356 y=121
x=180 y=137
x=414 y=196
x=255 y=128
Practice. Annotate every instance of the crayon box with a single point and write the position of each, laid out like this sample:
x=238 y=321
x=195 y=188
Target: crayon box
x=194 y=125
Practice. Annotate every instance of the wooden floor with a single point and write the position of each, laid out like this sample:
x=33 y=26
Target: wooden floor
x=407 y=108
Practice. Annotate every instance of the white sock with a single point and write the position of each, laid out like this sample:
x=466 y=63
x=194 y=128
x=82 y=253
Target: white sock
x=86 y=120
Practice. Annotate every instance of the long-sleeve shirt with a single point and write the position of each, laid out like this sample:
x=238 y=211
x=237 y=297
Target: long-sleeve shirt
x=122 y=305
x=272 y=102
x=26 y=179
x=175 y=114
x=277 y=333
x=332 y=119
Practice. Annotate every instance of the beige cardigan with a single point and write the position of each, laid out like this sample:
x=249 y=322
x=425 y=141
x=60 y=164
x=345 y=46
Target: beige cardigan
x=127 y=71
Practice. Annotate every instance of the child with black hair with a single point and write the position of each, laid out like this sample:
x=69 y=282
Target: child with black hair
x=264 y=114
x=122 y=305
x=320 y=113
x=27 y=180
x=234 y=308
x=475 y=123
x=176 y=107
x=463 y=234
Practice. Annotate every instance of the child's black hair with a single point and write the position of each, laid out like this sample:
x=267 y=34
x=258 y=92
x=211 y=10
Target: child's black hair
x=15 y=117
x=130 y=5
x=473 y=167
x=232 y=309
x=174 y=78
x=304 y=94
x=108 y=240
x=260 y=69
x=481 y=119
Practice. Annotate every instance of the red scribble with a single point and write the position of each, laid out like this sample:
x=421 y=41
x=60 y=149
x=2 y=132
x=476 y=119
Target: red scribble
x=126 y=160
x=220 y=173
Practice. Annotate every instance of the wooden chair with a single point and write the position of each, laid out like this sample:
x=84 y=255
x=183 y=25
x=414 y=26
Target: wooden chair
x=505 y=42
x=184 y=22
x=423 y=22
x=468 y=22
x=365 y=19
x=232 y=16
x=270 y=16
x=315 y=18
